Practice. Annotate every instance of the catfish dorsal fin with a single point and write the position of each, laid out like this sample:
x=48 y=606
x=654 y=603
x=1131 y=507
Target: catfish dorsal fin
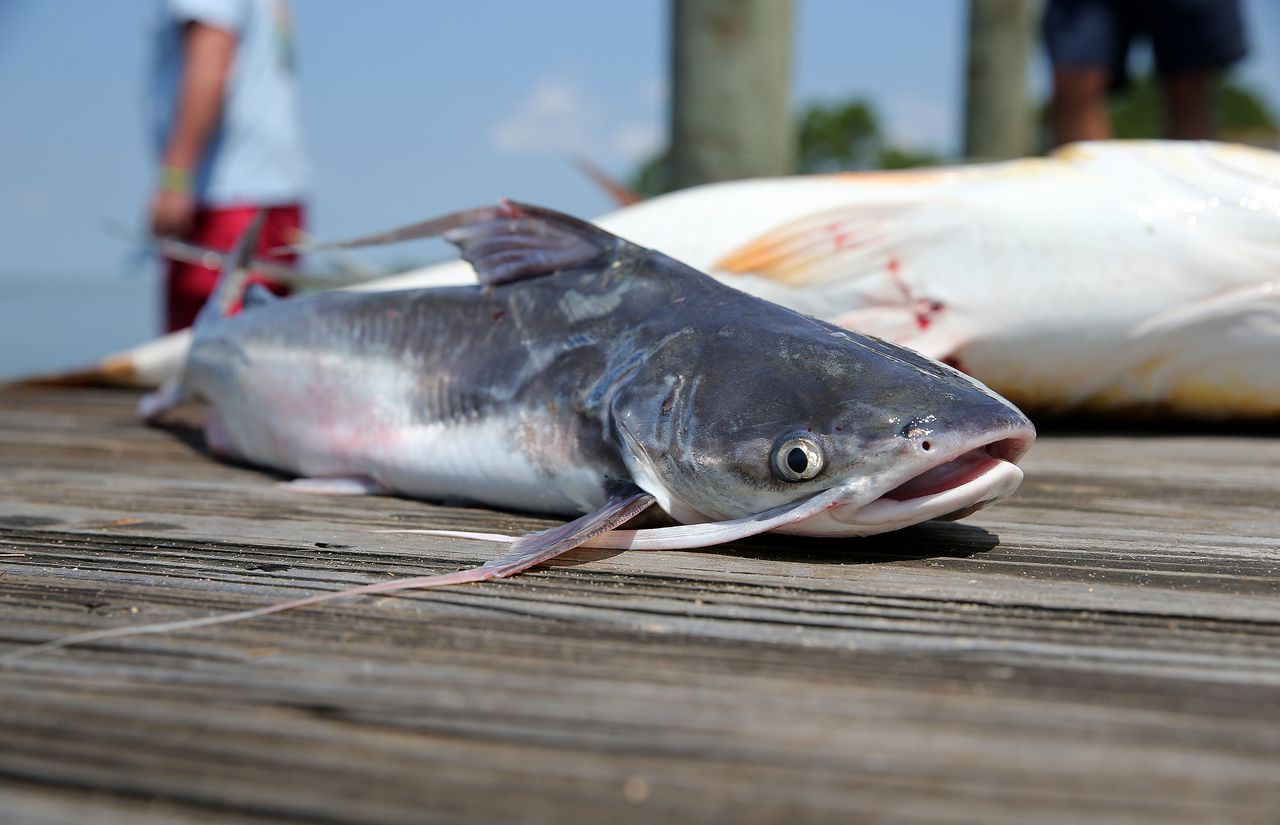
x=508 y=242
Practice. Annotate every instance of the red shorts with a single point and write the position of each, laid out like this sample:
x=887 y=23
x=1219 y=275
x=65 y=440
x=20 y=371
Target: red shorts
x=187 y=286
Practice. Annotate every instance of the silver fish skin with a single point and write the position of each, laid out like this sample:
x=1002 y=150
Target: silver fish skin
x=583 y=365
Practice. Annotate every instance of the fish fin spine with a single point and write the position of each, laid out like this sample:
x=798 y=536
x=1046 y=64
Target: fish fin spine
x=234 y=274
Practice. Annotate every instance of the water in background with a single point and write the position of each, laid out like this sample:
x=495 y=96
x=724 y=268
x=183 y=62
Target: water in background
x=53 y=323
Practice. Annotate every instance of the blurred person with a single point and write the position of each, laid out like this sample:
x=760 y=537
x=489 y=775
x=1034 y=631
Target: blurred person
x=229 y=136
x=1088 y=43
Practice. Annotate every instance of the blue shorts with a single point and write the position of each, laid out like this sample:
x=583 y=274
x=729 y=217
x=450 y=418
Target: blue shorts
x=1186 y=35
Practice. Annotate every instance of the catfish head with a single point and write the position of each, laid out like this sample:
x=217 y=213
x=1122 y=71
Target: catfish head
x=841 y=434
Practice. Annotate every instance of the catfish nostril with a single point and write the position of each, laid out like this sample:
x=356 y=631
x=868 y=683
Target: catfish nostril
x=917 y=427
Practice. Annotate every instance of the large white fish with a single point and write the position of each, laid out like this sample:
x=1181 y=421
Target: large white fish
x=1108 y=277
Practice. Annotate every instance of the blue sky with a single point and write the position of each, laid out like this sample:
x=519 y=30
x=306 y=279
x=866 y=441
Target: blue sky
x=417 y=108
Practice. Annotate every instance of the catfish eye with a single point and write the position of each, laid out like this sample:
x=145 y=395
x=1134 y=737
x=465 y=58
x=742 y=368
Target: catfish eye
x=797 y=459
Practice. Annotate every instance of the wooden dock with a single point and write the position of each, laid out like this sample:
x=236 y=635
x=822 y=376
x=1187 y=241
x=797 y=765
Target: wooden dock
x=1105 y=647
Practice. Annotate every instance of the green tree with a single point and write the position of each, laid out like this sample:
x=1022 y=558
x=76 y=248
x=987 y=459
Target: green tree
x=839 y=136
x=831 y=137
x=653 y=177
x=1241 y=111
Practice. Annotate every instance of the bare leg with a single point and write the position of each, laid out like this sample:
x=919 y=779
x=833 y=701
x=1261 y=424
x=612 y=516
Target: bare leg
x=1080 y=105
x=1188 y=105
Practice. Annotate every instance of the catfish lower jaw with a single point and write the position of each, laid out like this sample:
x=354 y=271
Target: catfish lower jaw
x=981 y=484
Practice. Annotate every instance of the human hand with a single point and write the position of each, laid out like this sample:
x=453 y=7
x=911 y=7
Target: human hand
x=172 y=213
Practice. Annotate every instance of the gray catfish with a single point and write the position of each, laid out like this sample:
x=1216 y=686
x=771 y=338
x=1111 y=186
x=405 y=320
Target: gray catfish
x=586 y=376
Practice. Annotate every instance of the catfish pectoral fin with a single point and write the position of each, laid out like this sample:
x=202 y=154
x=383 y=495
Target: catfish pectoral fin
x=336 y=486
x=538 y=547
x=155 y=405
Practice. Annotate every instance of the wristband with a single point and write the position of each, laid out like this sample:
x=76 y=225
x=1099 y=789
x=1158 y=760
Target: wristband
x=175 y=179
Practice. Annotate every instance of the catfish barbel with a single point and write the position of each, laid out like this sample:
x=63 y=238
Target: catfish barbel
x=587 y=376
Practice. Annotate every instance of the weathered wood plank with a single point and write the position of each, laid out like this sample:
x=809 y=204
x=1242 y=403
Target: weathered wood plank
x=1107 y=644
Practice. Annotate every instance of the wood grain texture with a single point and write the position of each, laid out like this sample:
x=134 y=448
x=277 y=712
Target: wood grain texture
x=1104 y=647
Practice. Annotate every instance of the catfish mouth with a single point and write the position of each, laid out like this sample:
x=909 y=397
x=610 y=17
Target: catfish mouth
x=951 y=488
x=960 y=470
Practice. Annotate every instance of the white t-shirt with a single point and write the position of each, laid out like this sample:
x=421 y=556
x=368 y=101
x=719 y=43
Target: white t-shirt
x=256 y=156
